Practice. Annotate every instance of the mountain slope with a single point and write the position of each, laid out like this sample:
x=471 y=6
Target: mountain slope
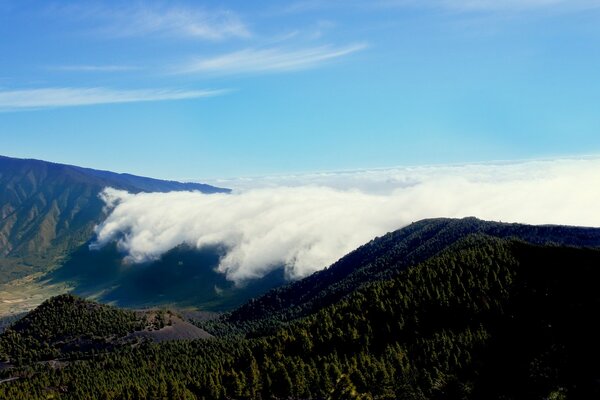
x=386 y=256
x=182 y=277
x=484 y=318
x=65 y=323
x=48 y=209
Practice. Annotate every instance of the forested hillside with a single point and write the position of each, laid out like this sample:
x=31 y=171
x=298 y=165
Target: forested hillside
x=62 y=324
x=485 y=318
x=386 y=256
x=67 y=327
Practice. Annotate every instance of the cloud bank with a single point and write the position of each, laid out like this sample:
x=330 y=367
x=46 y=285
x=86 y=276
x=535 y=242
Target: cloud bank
x=308 y=227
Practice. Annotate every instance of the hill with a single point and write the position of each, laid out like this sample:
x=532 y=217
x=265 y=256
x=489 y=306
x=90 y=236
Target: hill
x=385 y=257
x=48 y=209
x=67 y=326
x=483 y=318
x=65 y=323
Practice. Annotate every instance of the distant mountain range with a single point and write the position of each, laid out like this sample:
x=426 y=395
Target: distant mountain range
x=47 y=210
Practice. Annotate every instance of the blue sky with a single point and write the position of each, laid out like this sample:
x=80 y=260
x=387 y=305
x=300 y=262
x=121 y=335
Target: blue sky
x=193 y=90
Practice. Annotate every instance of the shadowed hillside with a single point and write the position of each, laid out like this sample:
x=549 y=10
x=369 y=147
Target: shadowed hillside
x=182 y=277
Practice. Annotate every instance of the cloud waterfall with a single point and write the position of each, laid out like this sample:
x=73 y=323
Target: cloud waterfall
x=309 y=226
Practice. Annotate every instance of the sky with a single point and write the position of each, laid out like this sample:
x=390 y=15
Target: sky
x=205 y=90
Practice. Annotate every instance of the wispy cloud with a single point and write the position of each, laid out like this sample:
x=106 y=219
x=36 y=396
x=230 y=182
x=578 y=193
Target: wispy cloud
x=13 y=100
x=94 y=68
x=265 y=60
x=142 y=19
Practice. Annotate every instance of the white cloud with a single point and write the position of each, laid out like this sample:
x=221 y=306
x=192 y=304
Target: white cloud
x=263 y=60
x=308 y=227
x=182 y=22
x=12 y=100
x=142 y=19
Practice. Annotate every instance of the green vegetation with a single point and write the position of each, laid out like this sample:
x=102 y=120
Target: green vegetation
x=385 y=257
x=485 y=318
x=65 y=324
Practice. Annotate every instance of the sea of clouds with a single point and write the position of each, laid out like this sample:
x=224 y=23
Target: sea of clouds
x=306 y=222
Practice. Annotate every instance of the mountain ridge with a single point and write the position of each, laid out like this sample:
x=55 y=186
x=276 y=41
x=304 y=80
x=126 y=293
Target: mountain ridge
x=401 y=249
x=48 y=209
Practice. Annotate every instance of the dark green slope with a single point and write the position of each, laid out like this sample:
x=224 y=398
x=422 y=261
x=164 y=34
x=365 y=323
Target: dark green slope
x=485 y=318
x=65 y=323
x=48 y=209
x=183 y=277
x=67 y=328
x=386 y=256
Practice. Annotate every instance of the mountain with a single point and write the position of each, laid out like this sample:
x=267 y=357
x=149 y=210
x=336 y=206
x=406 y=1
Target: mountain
x=480 y=317
x=387 y=256
x=47 y=210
